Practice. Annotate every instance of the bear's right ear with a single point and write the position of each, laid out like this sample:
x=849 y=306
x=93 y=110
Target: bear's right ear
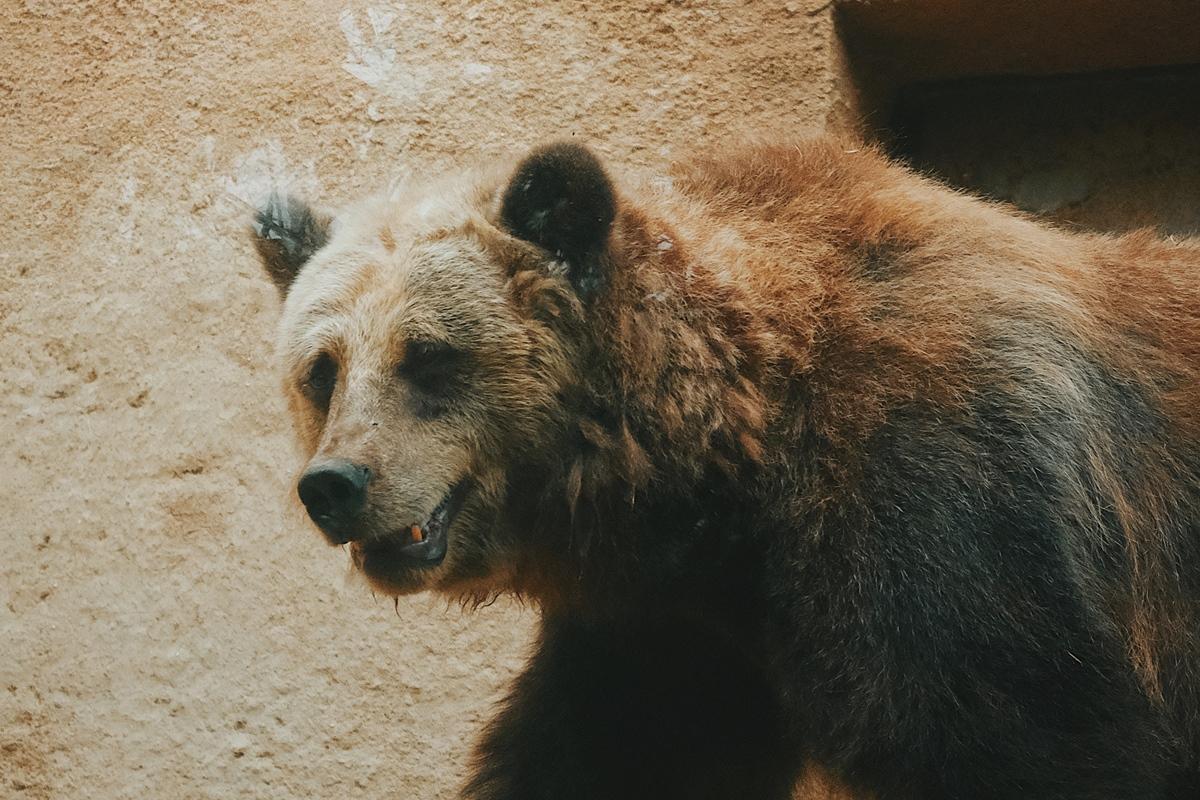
x=286 y=234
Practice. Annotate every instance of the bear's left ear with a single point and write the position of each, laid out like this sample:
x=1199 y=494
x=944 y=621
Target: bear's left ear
x=286 y=234
x=561 y=199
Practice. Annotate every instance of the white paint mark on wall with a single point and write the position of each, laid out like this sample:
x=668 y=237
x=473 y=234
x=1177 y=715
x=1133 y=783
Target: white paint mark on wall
x=475 y=72
x=265 y=169
x=371 y=63
x=382 y=17
x=129 y=189
x=362 y=143
x=208 y=149
x=375 y=52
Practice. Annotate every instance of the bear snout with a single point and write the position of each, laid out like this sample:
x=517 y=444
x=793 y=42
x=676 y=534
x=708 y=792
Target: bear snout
x=334 y=493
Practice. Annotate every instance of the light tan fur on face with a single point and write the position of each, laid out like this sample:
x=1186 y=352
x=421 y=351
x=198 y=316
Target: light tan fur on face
x=395 y=270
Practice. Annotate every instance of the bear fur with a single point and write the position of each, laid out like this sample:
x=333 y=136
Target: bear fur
x=812 y=465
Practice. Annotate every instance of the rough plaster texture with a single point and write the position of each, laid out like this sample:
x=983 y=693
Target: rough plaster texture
x=169 y=627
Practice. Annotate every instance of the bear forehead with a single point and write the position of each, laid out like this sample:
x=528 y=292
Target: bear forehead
x=412 y=235
x=365 y=295
x=414 y=209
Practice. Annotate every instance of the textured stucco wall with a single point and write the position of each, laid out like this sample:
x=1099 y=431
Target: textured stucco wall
x=169 y=627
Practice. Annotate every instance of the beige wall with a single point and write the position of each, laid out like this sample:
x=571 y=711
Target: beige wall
x=169 y=627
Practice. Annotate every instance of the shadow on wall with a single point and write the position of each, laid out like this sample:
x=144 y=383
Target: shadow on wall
x=1085 y=113
x=1108 y=152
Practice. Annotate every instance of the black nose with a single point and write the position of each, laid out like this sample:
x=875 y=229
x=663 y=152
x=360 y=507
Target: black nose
x=334 y=492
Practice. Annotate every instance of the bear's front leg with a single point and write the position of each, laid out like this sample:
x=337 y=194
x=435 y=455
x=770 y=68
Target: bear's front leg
x=625 y=710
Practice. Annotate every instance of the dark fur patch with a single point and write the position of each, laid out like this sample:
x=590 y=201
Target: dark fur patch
x=983 y=590
x=880 y=260
x=622 y=711
x=287 y=232
x=560 y=199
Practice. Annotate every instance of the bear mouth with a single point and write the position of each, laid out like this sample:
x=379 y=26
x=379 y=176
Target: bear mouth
x=420 y=545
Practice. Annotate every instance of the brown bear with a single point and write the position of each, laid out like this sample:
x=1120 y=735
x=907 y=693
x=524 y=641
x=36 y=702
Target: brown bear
x=810 y=463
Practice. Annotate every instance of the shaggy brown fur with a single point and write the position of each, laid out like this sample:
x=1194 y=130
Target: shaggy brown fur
x=916 y=476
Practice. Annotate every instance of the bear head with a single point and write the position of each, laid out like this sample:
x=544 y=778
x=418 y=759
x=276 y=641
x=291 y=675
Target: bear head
x=431 y=342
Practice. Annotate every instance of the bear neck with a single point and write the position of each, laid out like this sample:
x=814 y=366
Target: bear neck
x=684 y=372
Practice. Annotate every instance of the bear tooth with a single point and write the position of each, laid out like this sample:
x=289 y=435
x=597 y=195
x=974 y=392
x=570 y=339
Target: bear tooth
x=417 y=534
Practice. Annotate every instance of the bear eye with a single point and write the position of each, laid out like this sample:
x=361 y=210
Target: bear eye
x=321 y=380
x=433 y=368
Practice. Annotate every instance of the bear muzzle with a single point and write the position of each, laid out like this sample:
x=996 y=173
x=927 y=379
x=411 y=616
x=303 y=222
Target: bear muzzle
x=416 y=545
